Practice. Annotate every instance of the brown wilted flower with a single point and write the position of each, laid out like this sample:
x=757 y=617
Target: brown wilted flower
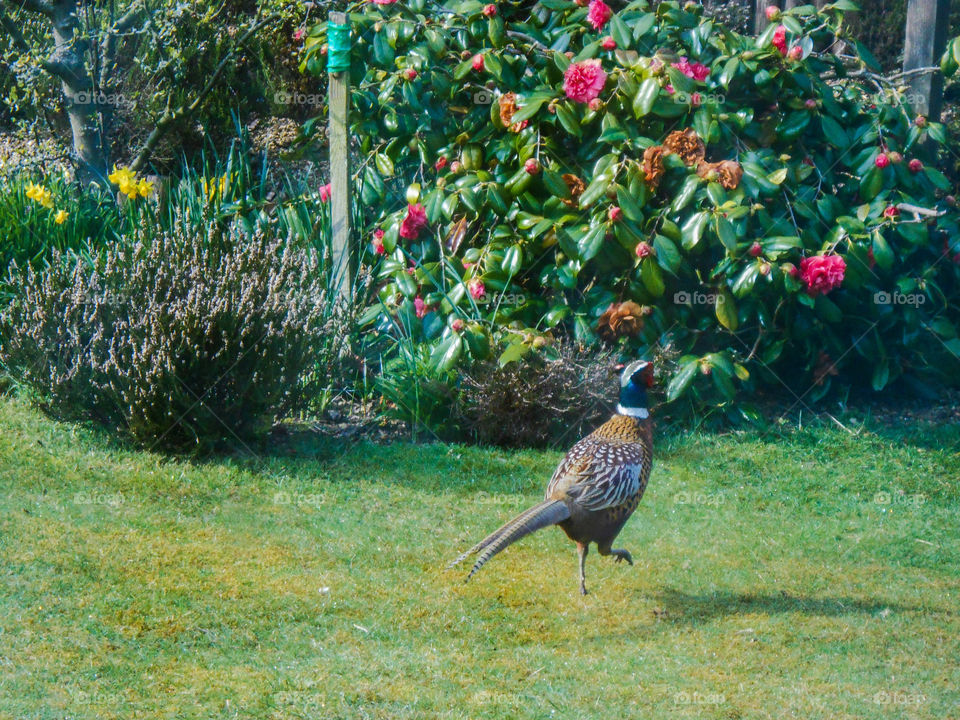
x=653 y=165
x=824 y=368
x=577 y=186
x=619 y=320
x=687 y=144
x=726 y=172
x=509 y=108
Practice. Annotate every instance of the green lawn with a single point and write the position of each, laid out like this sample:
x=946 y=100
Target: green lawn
x=810 y=574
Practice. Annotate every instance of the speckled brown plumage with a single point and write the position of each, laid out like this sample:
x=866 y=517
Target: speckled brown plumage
x=597 y=485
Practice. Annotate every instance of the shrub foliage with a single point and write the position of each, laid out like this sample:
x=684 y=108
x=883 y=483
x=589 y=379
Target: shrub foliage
x=186 y=340
x=763 y=209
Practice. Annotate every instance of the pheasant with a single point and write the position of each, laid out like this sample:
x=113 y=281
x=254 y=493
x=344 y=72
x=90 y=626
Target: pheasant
x=597 y=485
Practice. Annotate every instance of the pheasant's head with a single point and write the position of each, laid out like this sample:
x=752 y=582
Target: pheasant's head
x=635 y=378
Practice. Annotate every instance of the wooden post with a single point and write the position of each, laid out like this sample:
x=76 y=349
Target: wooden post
x=926 y=39
x=338 y=98
x=758 y=13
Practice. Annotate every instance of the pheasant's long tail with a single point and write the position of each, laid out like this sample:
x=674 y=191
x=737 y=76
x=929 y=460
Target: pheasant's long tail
x=539 y=516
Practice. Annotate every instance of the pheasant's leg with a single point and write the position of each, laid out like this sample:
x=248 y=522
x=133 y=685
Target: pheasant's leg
x=582 y=550
x=619 y=554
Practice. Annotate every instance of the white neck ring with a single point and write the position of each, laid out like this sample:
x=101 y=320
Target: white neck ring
x=641 y=413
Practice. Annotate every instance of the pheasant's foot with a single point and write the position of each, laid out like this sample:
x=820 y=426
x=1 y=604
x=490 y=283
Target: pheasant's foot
x=622 y=555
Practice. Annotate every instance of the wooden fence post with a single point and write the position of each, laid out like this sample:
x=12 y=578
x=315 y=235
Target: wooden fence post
x=338 y=97
x=758 y=10
x=926 y=39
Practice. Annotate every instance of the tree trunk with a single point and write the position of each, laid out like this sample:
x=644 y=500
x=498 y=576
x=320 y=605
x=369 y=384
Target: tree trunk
x=68 y=63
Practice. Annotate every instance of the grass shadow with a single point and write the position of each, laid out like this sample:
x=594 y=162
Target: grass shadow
x=681 y=607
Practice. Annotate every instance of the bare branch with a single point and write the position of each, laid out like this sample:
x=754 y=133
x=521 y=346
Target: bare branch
x=186 y=110
x=38 y=6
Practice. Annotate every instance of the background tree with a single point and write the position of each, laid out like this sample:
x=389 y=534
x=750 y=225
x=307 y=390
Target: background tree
x=87 y=65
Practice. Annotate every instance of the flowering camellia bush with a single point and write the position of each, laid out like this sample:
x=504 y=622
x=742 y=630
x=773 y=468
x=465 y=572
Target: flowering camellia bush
x=650 y=179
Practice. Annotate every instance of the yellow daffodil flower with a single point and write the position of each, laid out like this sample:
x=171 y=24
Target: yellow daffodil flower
x=61 y=217
x=145 y=188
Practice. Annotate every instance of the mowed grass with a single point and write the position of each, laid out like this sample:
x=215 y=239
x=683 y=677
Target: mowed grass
x=813 y=573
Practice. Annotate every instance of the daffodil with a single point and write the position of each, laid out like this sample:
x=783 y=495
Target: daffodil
x=40 y=194
x=129 y=185
x=145 y=188
x=61 y=217
x=122 y=176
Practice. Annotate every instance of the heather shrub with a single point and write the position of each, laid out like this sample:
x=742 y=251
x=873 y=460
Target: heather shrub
x=544 y=401
x=641 y=176
x=184 y=340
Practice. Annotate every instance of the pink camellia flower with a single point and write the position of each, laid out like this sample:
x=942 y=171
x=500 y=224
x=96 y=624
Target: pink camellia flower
x=583 y=81
x=696 y=71
x=780 y=39
x=822 y=273
x=298 y=34
x=881 y=161
x=773 y=12
x=614 y=213
x=456 y=325
x=411 y=74
x=476 y=288
x=643 y=250
x=490 y=10
x=608 y=43
x=891 y=211
x=599 y=14
x=384 y=2
x=478 y=63
x=378 y=247
x=414 y=222
x=325 y=192
x=441 y=163
x=915 y=165
x=532 y=166
x=756 y=250
x=420 y=307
